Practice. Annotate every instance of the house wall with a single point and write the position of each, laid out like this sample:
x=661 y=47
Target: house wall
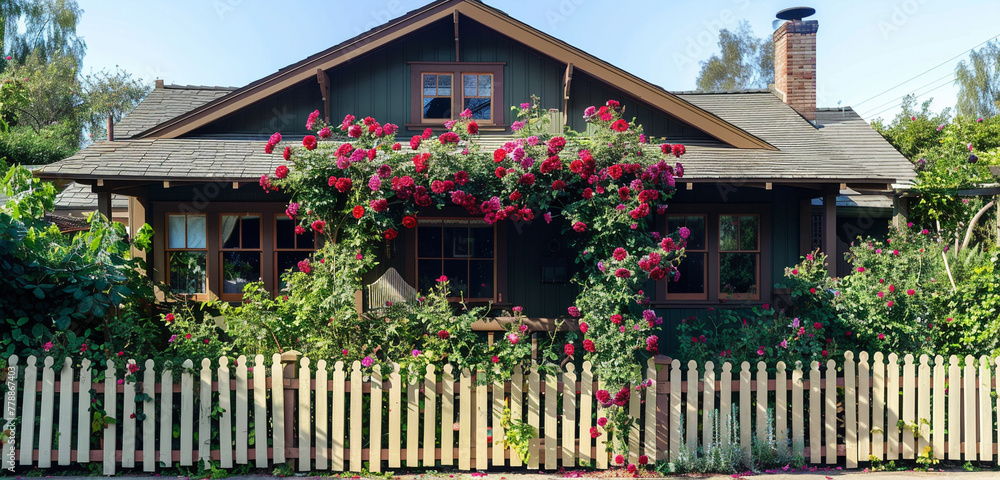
x=378 y=85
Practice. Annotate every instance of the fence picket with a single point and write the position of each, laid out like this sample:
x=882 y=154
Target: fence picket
x=465 y=422
x=954 y=409
x=892 y=408
x=708 y=405
x=413 y=423
x=395 y=419
x=781 y=408
x=534 y=406
x=304 y=423
x=691 y=411
x=187 y=415
x=204 y=412
x=322 y=415
x=66 y=410
x=278 y=409
x=746 y=427
x=482 y=409
x=260 y=411
x=338 y=414
x=985 y=411
x=551 y=421
x=969 y=387
x=569 y=416
x=448 y=415
x=651 y=393
x=830 y=414
x=761 y=432
x=850 y=411
x=242 y=411
x=128 y=417
x=149 y=421
x=798 y=412
x=10 y=411
x=586 y=410
x=84 y=427
x=864 y=408
x=634 y=411
x=374 y=422
x=815 y=409
x=878 y=406
x=601 y=457
x=111 y=409
x=937 y=425
x=430 y=418
x=226 y=420
x=27 y=436
x=725 y=406
x=357 y=417
x=924 y=403
x=909 y=412
x=45 y=414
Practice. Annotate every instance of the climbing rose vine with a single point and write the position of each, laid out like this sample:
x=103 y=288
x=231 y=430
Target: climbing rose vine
x=605 y=189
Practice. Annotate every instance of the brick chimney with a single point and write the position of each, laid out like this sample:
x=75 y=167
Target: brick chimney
x=795 y=60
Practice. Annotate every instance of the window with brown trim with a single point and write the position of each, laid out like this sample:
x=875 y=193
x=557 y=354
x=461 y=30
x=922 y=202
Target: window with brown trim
x=441 y=91
x=692 y=284
x=460 y=249
x=739 y=256
x=290 y=247
x=187 y=254
x=240 y=252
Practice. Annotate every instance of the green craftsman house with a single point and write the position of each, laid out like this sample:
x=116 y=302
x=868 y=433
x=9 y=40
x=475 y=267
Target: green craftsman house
x=768 y=175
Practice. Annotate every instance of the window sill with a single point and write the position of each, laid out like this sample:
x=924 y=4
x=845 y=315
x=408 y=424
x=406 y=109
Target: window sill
x=440 y=127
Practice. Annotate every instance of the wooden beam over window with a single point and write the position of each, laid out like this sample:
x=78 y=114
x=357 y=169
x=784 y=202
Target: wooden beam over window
x=324 y=88
x=567 y=78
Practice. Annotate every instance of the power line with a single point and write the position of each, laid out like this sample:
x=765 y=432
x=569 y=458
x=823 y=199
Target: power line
x=950 y=75
x=915 y=96
x=925 y=71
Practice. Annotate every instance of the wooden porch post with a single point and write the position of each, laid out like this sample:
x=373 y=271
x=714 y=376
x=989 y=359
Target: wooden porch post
x=104 y=204
x=830 y=232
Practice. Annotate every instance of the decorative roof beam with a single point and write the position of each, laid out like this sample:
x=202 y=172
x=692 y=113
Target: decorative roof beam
x=455 y=18
x=567 y=78
x=324 y=88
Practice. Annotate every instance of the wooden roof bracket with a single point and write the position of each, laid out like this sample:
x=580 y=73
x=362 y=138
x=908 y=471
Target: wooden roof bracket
x=455 y=17
x=324 y=89
x=567 y=78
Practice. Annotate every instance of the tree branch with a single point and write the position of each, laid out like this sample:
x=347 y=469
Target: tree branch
x=972 y=224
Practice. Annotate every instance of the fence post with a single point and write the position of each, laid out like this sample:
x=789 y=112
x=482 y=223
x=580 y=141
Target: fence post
x=662 y=405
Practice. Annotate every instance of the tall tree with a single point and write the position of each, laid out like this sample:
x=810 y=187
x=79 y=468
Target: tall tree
x=743 y=61
x=979 y=82
x=110 y=94
x=45 y=28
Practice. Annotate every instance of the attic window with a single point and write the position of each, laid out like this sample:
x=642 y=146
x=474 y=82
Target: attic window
x=441 y=91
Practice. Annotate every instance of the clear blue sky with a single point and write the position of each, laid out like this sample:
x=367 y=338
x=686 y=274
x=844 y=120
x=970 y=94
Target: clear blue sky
x=864 y=47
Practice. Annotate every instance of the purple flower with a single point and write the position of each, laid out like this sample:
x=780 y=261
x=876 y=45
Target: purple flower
x=517 y=125
x=375 y=183
x=518 y=309
x=685 y=232
x=525 y=105
x=533 y=140
x=547 y=217
x=367 y=361
x=589 y=112
x=415 y=352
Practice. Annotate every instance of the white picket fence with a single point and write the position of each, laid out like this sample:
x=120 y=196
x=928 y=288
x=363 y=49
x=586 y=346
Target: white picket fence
x=339 y=418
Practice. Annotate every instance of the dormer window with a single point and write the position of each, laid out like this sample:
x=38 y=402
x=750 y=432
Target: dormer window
x=441 y=91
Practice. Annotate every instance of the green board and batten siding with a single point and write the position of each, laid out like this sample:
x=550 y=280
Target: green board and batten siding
x=378 y=85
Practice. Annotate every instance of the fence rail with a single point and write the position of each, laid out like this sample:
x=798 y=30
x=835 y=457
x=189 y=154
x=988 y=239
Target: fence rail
x=337 y=417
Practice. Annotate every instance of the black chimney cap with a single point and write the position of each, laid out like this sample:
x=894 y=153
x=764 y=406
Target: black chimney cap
x=796 y=13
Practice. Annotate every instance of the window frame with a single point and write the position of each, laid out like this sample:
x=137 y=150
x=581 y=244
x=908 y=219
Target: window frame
x=468 y=221
x=276 y=250
x=713 y=212
x=738 y=296
x=168 y=250
x=705 y=288
x=235 y=297
x=457 y=70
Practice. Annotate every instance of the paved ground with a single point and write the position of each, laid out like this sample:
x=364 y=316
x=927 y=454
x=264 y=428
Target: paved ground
x=832 y=475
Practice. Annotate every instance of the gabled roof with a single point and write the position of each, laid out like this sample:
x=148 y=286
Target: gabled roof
x=164 y=103
x=77 y=196
x=844 y=150
x=366 y=42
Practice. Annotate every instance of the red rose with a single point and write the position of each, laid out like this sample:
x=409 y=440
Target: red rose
x=318 y=226
x=269 y=148
x=427 y=134
x=343 y=184
x=415 y=142
x=358 y=211
x=473 y=128
x=287 y=154
x=817 y=325
x=448 y=137
x=169 y=317
x=499 y=154
x=527 y=179
x=409 y=222
x=500 y=172
x=558 y=185
x=569 y=349
x=281 y=171
x=619 y=125
x=588 y=345
x=396 y=146
x=579 y=227
x=461 y=177
x=584 y=327
x=354 y=131
x=309 y=142
x=391 y=234
x=443 y=334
